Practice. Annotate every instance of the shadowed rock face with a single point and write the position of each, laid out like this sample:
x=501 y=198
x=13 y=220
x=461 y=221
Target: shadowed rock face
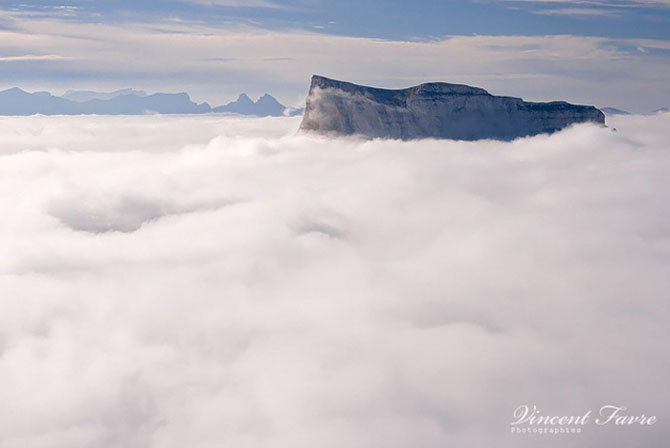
x=433 y=110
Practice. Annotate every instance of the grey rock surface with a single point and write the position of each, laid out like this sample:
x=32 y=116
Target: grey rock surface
x=433 y=110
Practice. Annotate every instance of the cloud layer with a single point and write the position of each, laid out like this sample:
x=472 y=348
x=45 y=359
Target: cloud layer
x=207 y=282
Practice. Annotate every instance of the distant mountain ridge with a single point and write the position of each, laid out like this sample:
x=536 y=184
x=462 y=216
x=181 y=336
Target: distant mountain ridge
x=81 y=96
x=16 y=101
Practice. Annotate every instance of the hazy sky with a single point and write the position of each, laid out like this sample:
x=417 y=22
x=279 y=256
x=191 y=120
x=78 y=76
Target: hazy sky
x=605 y=52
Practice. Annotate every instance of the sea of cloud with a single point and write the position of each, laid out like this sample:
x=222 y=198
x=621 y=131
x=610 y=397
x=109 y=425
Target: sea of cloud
x=200 y=282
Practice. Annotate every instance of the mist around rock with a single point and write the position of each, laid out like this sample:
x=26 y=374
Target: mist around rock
x=214 y=281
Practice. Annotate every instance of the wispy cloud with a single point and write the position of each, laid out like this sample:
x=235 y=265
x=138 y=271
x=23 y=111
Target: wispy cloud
x=33 y=57
x=577 y=12
x=239 y=3
x=609 y=3
x=583 y=8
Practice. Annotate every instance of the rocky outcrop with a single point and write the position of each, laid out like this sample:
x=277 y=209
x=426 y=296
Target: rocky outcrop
x=433 y=110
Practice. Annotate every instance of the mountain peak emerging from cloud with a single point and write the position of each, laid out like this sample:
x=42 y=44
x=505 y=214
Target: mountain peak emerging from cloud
x=433 y=110
x=265 y=106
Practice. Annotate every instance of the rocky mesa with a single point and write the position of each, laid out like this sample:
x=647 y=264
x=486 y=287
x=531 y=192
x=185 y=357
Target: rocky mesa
x=433 y=110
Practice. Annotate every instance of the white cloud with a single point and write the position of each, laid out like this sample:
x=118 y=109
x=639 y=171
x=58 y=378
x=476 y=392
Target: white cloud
x=583 y=8
x=608 y=3
x=577 y=12
x=266 y=289
x=33 y=57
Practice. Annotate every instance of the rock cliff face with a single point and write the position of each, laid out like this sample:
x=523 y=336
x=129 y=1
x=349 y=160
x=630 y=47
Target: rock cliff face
x=433 y=110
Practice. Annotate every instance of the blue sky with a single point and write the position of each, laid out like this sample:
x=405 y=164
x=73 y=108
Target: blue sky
x=217 y=48
x=388 y=19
